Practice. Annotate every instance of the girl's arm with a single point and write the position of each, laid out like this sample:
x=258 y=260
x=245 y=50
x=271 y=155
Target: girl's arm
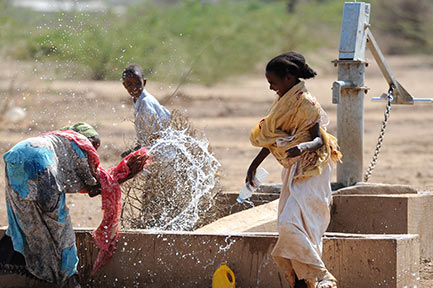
x=256 y=162
x=312 y=145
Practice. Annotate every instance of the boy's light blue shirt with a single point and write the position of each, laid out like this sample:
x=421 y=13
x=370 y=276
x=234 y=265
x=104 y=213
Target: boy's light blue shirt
x=148 y=111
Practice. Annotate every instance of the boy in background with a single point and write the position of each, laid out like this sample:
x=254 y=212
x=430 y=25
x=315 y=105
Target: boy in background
x=150 y=116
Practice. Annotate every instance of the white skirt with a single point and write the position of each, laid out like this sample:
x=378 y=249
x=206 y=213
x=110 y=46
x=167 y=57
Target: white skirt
x=303 y=217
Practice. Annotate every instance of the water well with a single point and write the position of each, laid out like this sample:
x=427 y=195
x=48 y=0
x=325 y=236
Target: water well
x=167 y=259
x=381 y=248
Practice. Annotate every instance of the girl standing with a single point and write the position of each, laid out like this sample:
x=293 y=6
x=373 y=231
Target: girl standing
x=294 y=132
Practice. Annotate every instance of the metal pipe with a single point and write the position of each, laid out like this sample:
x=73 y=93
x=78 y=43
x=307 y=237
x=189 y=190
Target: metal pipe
x=350 y=91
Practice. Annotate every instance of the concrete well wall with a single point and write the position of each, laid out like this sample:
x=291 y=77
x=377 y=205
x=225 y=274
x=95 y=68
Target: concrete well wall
x=227 y=203
x=385 y=214
x=163 y=259
x=364 y=208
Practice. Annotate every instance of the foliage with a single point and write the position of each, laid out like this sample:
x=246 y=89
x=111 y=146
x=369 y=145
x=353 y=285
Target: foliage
x=180 y=187
x=204 y=42
x=404 y=25
x=200 y=41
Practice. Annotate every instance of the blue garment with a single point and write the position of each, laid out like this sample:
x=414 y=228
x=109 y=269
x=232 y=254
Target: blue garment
x=21 y=170
x=39 y=171
x=150 y=116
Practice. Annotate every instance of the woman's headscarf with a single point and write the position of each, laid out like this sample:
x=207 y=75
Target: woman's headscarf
x=82 y=128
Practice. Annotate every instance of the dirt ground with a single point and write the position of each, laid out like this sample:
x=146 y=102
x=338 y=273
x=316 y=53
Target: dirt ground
x=225 y=112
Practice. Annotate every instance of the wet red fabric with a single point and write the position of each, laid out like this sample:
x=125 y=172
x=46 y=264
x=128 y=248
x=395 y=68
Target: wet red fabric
x=106 y=234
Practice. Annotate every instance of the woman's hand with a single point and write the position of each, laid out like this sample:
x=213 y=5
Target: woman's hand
x=129 y=151
x=312 y=145
x=296 y=150
x=136 y=163
x=264 y=152
x=250 y=175
x=93 y=190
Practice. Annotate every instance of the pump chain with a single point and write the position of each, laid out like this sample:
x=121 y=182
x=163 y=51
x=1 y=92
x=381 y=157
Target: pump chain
x=387 y=112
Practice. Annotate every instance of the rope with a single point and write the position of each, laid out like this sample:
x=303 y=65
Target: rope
x=373 y=162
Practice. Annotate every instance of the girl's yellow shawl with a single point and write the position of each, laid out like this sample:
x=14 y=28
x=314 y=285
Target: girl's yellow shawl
x=287 y=124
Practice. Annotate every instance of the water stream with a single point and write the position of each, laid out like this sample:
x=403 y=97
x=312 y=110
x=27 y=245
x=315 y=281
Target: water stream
x=186 y=171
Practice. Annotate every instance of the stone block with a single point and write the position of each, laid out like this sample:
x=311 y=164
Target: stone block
x=261 y=218
x=385 y=214
x=273 y=188
x=360 y=260
x=227 y=202
x=166 y=259
x=364 y=188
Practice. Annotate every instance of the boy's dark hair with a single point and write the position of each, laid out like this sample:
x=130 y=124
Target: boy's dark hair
x=133 y=70
x=292 y=63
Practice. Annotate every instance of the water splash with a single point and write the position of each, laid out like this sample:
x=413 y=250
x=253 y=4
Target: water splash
x=185 y=173
x=201 y=169
x=229 y=244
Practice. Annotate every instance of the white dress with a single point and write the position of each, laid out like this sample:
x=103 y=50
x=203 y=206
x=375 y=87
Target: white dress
x=303 y=217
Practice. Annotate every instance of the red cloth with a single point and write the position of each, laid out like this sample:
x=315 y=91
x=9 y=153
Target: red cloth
x=106 y=234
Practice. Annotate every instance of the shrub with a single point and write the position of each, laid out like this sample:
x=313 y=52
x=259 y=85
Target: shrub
x=206 y=42
x=180 y=187
x=404 y=25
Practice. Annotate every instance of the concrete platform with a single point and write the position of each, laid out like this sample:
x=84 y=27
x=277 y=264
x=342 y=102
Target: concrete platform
x=367 y=188
x=227 y=202
x=363 y=208
x=385 y=214
x=262 y=218
x=162 y=259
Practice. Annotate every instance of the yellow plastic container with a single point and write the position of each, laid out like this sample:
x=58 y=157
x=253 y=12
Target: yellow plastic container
x=223 y=277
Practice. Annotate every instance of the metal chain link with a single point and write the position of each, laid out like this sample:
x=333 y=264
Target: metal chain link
x=372 y=165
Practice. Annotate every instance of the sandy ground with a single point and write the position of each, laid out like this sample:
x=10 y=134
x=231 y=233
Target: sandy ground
x=225 y=112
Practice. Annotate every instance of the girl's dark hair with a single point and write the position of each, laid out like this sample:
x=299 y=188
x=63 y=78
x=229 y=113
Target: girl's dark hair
x=133 y=70
x=292 y=63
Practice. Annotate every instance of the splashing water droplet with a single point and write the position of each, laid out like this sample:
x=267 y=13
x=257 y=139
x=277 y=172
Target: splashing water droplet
x=200 y=173
x=191 y=171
